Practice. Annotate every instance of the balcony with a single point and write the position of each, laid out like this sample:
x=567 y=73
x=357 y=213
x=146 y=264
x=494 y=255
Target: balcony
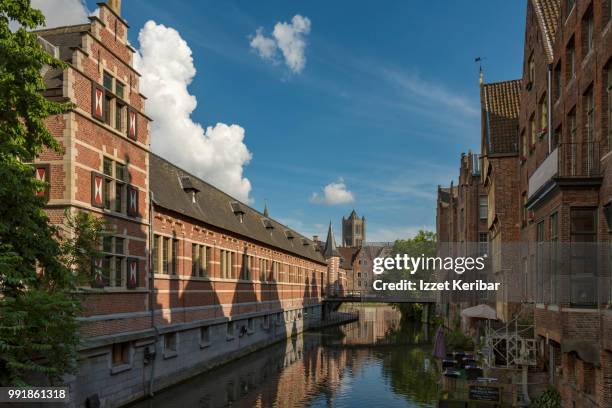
x=579 y=160
x=570 y=164
x=544 y=173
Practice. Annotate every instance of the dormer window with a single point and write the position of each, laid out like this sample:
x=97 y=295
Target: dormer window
x=305 y=242
x=289 y=235
x=188 y=186
x=268 y=224
x=238 y=210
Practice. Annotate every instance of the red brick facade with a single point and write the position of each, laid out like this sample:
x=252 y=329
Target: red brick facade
x=545 y=148
x=151 y=295
x=565 y=171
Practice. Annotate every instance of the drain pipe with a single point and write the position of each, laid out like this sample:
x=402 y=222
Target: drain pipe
x=549 y=103
x=152 y=294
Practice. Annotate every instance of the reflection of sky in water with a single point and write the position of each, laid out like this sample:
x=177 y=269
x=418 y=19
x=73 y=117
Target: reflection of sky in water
x=375 y=363
x=367 y=388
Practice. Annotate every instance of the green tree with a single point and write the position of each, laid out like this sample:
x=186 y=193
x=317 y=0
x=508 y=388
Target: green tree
x=40 y=264
x=422 y=244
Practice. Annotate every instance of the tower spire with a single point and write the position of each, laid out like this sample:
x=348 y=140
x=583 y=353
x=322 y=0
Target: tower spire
x=330 y=244
x=265 y=211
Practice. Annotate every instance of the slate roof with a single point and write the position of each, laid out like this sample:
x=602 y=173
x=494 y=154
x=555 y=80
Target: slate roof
x=548 y=12
x=347 y=255
x=500 y=104
x=330 y=244
x=65 y=38
x=218 y=209
x=370 y=252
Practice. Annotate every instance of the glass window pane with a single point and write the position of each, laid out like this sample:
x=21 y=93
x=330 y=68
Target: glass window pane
x=118 y=278
x=108 y=166
x=108 y=81
x=119 y=245
x=155 y=253
x=120 y=172
x=165 y=254
x=119 y=197
x=108 y=184
x=582 y=220
x=119 y=89
x=107 y=244
x=119 y=117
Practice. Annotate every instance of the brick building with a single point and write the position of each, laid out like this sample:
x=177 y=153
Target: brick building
x=189 y=277
x=565 y=183
x=500 y=102
x=461 y=229
x=545 y=151
x=359 y=265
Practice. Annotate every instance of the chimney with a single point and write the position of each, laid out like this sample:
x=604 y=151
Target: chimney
x=115 y=5
x=315 y=238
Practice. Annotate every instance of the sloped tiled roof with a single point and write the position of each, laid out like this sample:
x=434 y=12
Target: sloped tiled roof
x=347 y=255
x=500 y=103
x=215 y=208
x=547 y=12
x=369 y=252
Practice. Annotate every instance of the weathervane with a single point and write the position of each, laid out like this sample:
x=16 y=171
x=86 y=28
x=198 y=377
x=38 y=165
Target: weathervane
x=478 y=60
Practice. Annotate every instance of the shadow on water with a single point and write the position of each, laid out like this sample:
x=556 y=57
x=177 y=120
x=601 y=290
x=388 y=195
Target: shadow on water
x=379 y=361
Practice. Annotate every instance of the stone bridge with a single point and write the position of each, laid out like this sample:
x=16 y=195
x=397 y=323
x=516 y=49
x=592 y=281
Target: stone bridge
x=407 y=296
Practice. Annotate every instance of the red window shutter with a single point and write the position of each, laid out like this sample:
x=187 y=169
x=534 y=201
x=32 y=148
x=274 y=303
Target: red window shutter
x=97 y=273
x=132 y=124
x=132 y=273
x=97 y=189
x=41 y=173
x=97 y=101
x=132 y=201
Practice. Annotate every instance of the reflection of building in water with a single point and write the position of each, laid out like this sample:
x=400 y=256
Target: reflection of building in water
x=374 y=326
x=287 y=375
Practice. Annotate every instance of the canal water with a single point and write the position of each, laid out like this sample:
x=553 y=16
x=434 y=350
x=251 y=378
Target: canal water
x=378 y=361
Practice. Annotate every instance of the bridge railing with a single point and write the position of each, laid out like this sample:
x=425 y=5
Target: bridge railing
x=404 y=296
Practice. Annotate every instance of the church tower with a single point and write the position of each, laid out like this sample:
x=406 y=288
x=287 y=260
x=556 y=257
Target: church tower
x=353 y=230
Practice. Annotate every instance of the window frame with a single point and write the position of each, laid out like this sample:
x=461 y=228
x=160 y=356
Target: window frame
x=111 y=258
x=171 y=344
x=483 y=205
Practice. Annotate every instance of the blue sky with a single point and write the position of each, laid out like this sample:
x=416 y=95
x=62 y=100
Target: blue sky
x=385 y=103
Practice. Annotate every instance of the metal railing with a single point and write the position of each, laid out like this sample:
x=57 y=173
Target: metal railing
x=579 y=159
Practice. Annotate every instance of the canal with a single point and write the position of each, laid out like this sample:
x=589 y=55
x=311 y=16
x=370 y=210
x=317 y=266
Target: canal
x=378 y=361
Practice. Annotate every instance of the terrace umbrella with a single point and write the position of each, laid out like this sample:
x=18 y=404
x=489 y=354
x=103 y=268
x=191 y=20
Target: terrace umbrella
x=439 y=350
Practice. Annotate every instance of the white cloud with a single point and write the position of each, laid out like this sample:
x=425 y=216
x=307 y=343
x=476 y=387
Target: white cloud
x=217 y=154
x=288 y=38
x=265 y=47
x=333 y=194
x=62 y=12
x=59 y=12
x=429 y=92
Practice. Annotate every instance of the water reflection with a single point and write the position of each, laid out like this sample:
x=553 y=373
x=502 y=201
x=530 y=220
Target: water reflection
x=375 y=362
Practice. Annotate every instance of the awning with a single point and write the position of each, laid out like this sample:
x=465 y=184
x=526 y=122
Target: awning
x=480 y=312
